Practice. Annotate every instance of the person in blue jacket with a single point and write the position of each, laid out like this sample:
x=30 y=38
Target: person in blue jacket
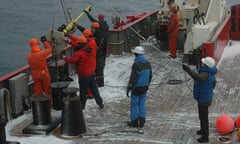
x=140 y=78
x=204 y=84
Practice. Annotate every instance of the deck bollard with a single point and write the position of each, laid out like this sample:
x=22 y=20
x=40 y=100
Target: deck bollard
x=43 y=122
x=73 y=123
x=57 y=94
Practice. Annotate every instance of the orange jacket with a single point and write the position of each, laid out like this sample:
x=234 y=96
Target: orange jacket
x=93 y=45
x=37 y=61
x=173 y=26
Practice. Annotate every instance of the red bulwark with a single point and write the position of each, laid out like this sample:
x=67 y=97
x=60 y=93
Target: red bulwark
x=235 y=22
x=208 y=49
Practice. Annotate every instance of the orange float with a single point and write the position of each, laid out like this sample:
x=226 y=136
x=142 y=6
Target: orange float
x=238 y=134
x=224 y=124
x=238 y=121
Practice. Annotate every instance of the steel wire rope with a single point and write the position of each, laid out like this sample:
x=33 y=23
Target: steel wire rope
x=171 y=113
x=224 y=103
x=174 y=107
x=117 y=13
x=126 y=86
x=117 y=111
x=64 y=10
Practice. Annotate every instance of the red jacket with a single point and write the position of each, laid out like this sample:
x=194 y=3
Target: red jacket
x=85 y=64
x=173 y=26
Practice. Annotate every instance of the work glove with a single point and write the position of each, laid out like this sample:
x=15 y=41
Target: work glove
x=63 y=56
x=61 y=28
x=63 y=53
x=43 y=39
x=129 y=87
x=189 y=71
x=186 y=68
x=86 y=12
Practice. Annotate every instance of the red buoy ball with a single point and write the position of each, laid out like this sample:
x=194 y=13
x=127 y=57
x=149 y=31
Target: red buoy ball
x=224 y=124
x=238 y=121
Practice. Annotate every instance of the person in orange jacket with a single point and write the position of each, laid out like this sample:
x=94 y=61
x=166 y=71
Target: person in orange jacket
x=172 y=31
x=93 y=45
x=37 y=62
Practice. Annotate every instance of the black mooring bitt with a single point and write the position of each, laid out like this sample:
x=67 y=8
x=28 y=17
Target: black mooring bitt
x=43 y=122
x=73 y=123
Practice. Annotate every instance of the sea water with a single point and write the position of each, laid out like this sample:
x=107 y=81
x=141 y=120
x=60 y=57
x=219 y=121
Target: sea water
x=23 y=20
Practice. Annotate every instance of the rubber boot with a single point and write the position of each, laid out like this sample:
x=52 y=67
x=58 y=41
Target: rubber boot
x=141 y=122
x=203 y=139
x=133 y=123
x=100 y=81
x=199 y=132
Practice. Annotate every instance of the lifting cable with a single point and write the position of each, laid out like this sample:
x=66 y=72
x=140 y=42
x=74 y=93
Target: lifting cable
x=55 y=56
x=131 y=28
x=64 y=11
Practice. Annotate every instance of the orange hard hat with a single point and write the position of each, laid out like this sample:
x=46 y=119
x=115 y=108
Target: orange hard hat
x=82 y=39
x=95 y=25
x=100 y=16
x=34 y=44
x=173 y=9
x=87 y=33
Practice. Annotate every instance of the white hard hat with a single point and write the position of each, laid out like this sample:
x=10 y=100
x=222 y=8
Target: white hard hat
x=138 y=50
x=209 y=61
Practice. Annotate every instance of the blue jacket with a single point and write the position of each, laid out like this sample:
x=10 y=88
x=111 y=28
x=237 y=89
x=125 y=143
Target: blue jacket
x=141 y=75
x=203 y=90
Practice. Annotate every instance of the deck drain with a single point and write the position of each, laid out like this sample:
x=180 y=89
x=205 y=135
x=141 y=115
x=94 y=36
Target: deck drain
x=224 y=140
x=173 y=82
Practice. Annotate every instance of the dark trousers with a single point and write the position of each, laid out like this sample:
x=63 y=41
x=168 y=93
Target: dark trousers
x=84 y=84
x=100 y=76
x=100 y=58
x=203 y=117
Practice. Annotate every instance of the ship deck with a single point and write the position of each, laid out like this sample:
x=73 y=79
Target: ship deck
x=172 y=116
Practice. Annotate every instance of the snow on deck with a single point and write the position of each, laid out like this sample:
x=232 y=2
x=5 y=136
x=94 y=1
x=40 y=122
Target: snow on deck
x=172 y=116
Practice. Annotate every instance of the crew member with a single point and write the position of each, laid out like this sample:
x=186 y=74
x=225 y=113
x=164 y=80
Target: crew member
x=138 y=84
x=101 y=39
x=37 y=62
x=204 y=84
x=86 y=65
x=74 y=42
x=172 y=31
